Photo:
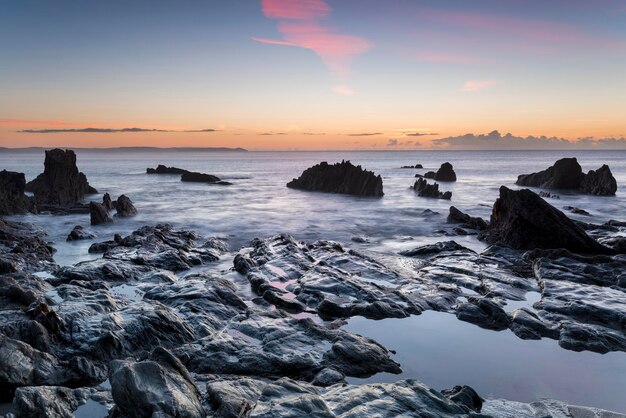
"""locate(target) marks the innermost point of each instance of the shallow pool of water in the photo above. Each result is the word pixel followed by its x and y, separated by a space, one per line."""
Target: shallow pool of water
pixel 442 351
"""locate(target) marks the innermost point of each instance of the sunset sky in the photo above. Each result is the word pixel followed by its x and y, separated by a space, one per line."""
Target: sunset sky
pixel 311 74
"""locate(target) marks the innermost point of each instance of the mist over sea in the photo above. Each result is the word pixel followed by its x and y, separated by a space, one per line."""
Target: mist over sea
pixel 258 204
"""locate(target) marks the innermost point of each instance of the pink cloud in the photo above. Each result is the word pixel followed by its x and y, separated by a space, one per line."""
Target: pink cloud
pixel 295 9
pixel 476 85
pixel 299 24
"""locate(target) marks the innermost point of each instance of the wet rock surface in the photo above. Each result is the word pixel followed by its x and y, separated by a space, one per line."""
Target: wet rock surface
pixel 178 337
pixel 467 221
pixel 61 183
pixel 99 214
pixel 424 189
pixel 343 178
pixel 567 174
pixel 79 233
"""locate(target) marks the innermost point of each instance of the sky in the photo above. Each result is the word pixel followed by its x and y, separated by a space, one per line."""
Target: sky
pixel 313 74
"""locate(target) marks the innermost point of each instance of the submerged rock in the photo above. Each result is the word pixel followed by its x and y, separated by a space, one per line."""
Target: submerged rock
pixel 343 178
pixel 456 216
pixel 524 221
pixel 161 169
pixel 417 166
pixel 566 174
pixel 79 233
pixel 12 197
pixel 61 183
pixel 423 189
pixel 124 207
pixel 99 214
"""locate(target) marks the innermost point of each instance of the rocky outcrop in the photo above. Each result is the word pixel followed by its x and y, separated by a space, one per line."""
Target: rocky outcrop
pixel 194 177
pixel 61 183
pixel 99 214
pixel 344 178
pixel 12 197
pixel 599 182
pixel 79 233
pixel 158 386
pixel 107 202
pixel 124 207
pixel 23 249
pixel 424 189
pixel 524 221
pixel 445 173
pixel 416 166
pixel 567 174
pixel 457 217
pixel 161 169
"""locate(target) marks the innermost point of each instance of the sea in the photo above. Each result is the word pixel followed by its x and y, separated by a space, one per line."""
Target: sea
pixel 433 347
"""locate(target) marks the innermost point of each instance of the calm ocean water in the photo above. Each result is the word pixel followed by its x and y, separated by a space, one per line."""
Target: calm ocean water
pixel 258 204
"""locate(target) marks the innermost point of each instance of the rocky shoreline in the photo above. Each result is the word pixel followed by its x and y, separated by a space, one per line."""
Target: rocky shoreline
pixel 157 327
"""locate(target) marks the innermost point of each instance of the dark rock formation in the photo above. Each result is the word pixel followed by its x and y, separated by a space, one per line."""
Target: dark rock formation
pixel 79 233
pixel 107 202
pixel 456 216
pixel 483 312
pixel 418 166
pixel 445 173
pixel 548 195
pixel 524 221
pixel 161 169
pixel 61 183
pixel 599 182
pixel 99 214
pixel 423 189
pixel 464 395
pixel 12 197
pixel 427 175
pixel 191 176
pixel 566 174
pixel 342 178
pixel 124 207
pixel 434 249
pixel 158 386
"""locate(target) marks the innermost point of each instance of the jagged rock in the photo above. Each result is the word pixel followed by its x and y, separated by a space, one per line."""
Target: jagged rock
pixel 124 207
pixel 445 173
pixel 61 183
pixel 423 189
pixel 79 233
pixel 522 220
pixel 12 197
pixel 22 365
pixel 107 202
pixel 599 182
pixel 99 214
pixel 456 216
pixel 566 174
pixel 159 386
pixel 161 169
pixel 49 401
pixel 427 175
pixel 194 177
pixel 342 178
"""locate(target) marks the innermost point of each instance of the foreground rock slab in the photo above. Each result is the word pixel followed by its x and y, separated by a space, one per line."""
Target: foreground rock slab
pixel 343 178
